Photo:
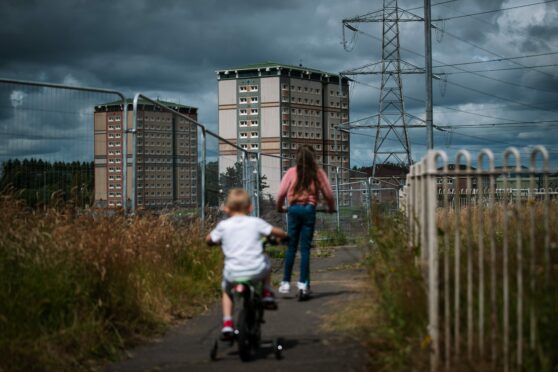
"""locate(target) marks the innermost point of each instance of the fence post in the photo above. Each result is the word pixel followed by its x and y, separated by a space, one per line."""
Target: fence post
pixel 258 180
pixel 134 152
pixel 369 202
pixel 202 177
pixel 505 259
pixel 480 186
pixel 432 242
pixel 337 196
pixel 125 156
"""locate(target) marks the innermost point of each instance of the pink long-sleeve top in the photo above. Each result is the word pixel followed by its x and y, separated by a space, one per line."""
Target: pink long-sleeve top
pixel 286 189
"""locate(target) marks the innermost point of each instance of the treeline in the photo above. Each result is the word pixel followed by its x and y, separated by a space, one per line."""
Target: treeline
pixel 40 182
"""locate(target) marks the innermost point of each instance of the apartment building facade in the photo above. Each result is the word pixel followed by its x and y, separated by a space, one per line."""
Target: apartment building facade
pixel 273 108
pixel 166 172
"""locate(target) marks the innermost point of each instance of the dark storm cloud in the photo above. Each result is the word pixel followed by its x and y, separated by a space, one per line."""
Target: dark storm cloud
pixel 171 49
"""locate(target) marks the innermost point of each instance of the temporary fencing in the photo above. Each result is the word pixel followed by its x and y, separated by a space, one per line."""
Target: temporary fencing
pixel 94 148
pixel 49 143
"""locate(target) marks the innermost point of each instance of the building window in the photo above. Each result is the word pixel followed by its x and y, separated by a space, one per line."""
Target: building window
pixel 242 88
pixel 243 112
pixel 254 123
pixel 243 135
pixel 244 146
pixel 254 111
pixel 254 146
pixel 253 88
pixel 254 99
pixel 243 123
pixel 243 100
pixel 254 135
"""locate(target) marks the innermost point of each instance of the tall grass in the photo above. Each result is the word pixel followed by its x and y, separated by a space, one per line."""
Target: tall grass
pixel 396 328
pixel 398 338
pixel 541 300
pixel 80 287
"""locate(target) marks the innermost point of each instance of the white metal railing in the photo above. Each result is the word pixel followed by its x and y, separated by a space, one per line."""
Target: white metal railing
pixel 471 232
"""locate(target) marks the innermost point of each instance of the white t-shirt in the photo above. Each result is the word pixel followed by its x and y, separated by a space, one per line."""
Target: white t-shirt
pixel 240 238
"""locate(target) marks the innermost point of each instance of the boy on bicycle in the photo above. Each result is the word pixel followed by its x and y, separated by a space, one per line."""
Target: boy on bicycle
pixel 240 238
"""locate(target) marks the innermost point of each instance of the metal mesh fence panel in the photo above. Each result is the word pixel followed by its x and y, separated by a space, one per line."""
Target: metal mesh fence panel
pixel 61 144
pixel 165 157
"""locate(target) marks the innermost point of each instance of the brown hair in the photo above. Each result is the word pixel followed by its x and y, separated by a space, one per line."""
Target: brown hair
pixel 238 200
pixel 306 169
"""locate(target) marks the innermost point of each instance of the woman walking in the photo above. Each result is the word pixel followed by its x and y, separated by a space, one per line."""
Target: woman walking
pixel 301 185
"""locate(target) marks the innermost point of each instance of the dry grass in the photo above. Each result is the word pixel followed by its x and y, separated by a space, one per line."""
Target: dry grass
pixel 479 224
pixel 390 315
pixel 81 287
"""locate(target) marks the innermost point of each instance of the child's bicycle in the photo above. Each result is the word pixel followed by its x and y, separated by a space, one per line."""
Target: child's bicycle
pixel 248 318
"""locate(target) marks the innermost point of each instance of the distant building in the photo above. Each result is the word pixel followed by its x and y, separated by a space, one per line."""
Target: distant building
pixel 273 108
pixel 166 156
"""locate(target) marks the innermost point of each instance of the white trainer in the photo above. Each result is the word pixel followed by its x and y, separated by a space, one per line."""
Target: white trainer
pixel 284 288
pixel 304 288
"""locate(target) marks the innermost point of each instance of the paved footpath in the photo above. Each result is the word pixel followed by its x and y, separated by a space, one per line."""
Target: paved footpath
pixel 307 347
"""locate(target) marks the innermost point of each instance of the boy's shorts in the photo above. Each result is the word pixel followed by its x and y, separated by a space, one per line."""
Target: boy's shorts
pixel 229 280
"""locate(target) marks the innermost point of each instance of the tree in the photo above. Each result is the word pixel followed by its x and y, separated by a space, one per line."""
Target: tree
pixel 234 177
pixel 37 181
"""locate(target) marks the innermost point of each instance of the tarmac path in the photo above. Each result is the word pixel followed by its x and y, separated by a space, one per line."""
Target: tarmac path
pixel 307 347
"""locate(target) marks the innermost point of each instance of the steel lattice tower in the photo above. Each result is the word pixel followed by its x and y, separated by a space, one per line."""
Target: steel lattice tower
pixel 392 121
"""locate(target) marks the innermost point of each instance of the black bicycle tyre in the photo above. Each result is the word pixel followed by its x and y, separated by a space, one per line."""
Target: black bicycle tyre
pixel 213 351
pixel 243 337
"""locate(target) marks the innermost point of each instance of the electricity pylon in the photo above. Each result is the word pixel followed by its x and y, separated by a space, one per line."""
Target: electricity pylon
pixel 392 120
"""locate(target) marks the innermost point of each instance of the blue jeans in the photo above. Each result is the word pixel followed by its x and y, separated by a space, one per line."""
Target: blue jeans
pixel 302 219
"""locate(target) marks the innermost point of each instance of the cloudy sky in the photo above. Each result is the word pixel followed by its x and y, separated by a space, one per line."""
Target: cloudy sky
pixel 170 49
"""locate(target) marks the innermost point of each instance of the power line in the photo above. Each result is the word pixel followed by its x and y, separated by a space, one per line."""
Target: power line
pixel 474 73
pixel 499 125
pixel 475 113
pixel 432 5
pixel 499 69
pixel 486 139
pixel 442 107
pixel 487 50
pixel 493 11
pixel 496 60
pixel 519 85
pixel 502 98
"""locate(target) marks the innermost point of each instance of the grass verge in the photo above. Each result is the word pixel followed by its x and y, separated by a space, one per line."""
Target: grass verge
pixel 390 317
pixel 81 288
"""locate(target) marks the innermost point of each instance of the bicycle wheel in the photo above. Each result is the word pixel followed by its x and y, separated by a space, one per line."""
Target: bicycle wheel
pixel 243 337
